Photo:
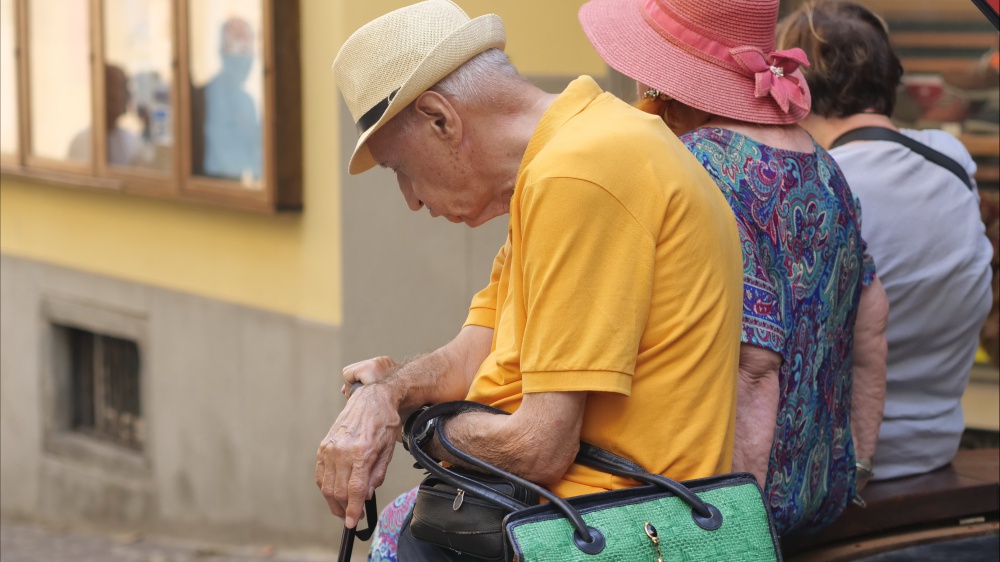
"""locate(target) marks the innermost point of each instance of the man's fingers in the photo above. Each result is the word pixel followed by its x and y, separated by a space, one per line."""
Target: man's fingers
pixel 352 371
pixel 328 488
pixel 335 508
pixel 368 371
pixel 319 471
pixel 379 471
pixel 326 476
pixel 358 491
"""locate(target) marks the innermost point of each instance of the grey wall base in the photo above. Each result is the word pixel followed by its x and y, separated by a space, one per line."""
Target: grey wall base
pixel 235 402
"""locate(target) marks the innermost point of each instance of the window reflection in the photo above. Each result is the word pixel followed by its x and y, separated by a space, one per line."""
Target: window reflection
pixel 123 146
pixel 139 106
pixel 8 79
pixel 59 47
pixel 226 91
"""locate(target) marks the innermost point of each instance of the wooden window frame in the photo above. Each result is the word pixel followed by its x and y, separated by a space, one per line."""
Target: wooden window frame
pixel 281 118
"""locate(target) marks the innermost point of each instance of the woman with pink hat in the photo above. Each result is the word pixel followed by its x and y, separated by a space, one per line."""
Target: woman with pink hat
pixel 812 362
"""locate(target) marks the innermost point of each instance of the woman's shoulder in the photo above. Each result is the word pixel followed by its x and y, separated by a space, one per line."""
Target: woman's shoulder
pixel 721 145
pixel 705 137
pixel 760 140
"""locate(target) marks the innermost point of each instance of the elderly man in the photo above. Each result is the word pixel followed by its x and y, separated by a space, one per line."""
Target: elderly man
pixel 613 309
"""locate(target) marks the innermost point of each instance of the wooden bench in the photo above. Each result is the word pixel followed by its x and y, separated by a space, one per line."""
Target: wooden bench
pixel 959 500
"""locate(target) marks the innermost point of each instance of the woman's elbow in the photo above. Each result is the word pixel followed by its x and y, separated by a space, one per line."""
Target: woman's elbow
pixel 757 365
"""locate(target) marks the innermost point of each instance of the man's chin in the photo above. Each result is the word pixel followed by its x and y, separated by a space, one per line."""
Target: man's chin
pixel 480 220
pixel 473 223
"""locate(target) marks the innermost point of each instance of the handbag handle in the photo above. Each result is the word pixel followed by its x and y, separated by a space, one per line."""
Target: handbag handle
pixel 586 538
pixel 414 443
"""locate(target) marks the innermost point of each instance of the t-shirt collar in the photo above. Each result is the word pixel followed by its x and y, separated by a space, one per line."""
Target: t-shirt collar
pixel 577 95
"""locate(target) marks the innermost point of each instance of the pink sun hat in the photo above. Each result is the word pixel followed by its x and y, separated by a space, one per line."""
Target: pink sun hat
pixel 714 56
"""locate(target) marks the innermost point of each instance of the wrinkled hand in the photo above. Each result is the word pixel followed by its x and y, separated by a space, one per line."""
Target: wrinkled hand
pixel 353 458
pixel 368 371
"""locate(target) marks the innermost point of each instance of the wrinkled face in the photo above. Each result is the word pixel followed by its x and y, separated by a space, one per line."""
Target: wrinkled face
pixel 435 168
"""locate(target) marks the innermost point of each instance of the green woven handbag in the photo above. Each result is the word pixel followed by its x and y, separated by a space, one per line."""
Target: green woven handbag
pixel 722 518
pixel 649 523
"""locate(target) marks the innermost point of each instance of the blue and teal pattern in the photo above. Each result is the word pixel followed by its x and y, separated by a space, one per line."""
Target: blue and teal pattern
pixel 390 522
pixel 804 265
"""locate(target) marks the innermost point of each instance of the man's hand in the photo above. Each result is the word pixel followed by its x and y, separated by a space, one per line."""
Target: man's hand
pixel 353 458
pixel 368 371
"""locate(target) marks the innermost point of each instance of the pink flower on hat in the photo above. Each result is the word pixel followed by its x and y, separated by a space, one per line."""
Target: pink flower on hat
pixel 773 74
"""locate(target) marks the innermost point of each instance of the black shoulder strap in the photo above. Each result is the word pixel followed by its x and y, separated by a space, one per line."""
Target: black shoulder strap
pixel 883 134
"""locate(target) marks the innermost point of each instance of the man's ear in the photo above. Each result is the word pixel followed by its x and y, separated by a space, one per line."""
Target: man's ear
pixel 438 115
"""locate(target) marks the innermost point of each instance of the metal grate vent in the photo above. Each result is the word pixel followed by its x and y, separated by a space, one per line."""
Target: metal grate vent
pixel 104 382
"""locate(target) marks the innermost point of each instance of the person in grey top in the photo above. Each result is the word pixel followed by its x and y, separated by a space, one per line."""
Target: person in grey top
pixel 922 226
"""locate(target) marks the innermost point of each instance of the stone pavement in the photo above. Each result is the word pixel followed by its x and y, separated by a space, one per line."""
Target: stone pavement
pixel 22 542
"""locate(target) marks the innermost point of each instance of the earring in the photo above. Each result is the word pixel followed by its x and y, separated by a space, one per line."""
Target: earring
pixel 653 94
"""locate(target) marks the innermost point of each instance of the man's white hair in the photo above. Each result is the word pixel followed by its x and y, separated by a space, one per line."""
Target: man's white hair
pixel 484 79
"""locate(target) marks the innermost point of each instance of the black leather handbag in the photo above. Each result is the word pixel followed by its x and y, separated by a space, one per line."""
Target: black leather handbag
pixel 717 518
pixel 444 515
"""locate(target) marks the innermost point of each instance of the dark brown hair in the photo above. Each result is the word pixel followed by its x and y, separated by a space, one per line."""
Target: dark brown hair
pixel 853 68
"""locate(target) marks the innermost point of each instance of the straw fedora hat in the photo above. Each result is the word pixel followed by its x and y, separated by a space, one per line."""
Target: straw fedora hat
pixel 391 60
pixel 714 56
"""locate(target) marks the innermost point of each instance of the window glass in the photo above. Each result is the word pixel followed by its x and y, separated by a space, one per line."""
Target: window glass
pixel 139 109
pixel 59 47
pixel 226 90
pixel 8 79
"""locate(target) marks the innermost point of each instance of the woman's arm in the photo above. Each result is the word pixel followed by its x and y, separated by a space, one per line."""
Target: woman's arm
pixel 870 354
pixel 756 410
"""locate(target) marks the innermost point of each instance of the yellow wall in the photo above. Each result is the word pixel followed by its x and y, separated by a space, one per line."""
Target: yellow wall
pixel 290 263
pixel 543 36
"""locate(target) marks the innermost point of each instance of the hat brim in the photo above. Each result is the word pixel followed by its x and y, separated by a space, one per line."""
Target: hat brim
pixel 626 41
pixel 475 37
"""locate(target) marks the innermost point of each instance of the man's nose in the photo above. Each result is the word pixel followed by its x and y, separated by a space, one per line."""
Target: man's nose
pixel 412 201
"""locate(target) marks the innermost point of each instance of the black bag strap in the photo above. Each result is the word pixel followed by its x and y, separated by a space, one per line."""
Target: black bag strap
pixel 883 134
pixel 430 421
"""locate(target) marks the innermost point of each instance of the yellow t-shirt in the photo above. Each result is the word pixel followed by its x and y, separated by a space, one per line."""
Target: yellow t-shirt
pixel 621 276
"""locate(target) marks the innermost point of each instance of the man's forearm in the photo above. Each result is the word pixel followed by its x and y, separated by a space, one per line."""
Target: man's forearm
pixel 442 375
pixel 538 442
pixel 870 354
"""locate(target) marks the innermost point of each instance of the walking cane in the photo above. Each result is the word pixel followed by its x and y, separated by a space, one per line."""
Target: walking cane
pixel 347 539
pixel 371 513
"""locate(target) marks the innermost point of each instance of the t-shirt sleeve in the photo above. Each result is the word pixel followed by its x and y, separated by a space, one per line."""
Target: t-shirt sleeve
pixel 587 268
pixel 867 263
pixel 762 321
pixel 483 310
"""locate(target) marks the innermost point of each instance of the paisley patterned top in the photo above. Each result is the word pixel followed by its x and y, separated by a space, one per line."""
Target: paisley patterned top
pixel 804 264
pixel 385 542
